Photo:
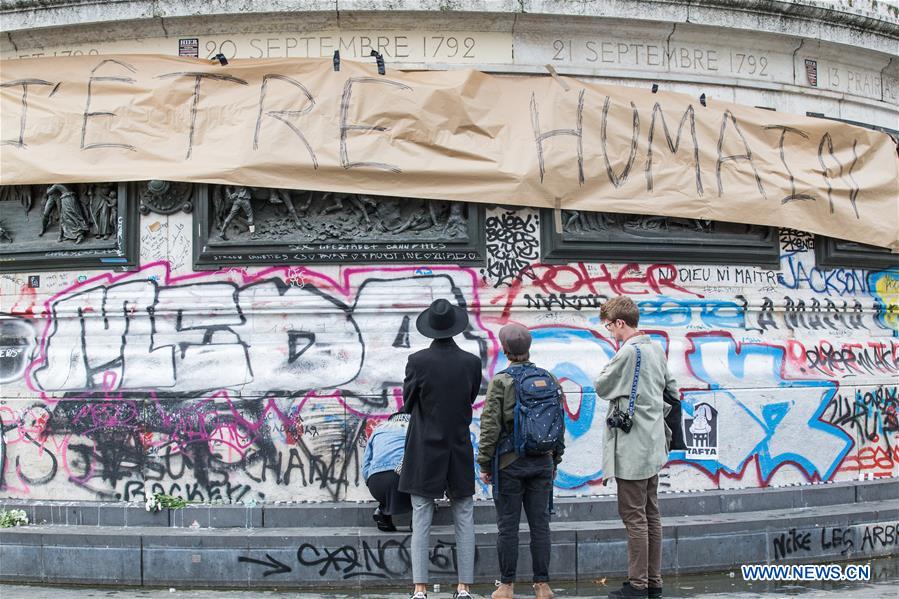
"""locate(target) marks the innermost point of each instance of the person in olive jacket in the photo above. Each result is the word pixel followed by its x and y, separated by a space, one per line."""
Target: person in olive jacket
pixel 441 385
pixel 527 481
pixel 634 458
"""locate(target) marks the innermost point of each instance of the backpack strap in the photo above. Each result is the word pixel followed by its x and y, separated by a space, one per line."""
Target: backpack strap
pixel 504 441
pixel 515 410
pixel 503 437
pixel 633 399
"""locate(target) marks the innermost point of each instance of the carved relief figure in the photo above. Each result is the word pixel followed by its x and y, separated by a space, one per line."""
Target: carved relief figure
pixel 576 221
pixel 282 197
pixel 4 234
pixel 85 194
pixel 582 221
pixel 389 215
pixel 73 224
pixel 455 223
pixel 103 210
pixel 417 221
pixel 360 203
pixel 240 200
pixel 18 193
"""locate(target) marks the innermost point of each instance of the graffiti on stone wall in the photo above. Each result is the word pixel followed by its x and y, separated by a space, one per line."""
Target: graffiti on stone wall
pixel 700 426
pixel 859 539
pixel 153 333
pixel 114 386
pixel 381 559
pixel 798 274
pixel 792 240
pixel 16 345
pixel 512 246
pixel 669 312
pixel 135 401
pixel 216 448
pixel 779 418
pixel 557 282
pixel 884 287
pixel 871 416
pixel 842 359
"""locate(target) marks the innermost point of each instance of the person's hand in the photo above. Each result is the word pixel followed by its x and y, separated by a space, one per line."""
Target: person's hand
pixel 486 478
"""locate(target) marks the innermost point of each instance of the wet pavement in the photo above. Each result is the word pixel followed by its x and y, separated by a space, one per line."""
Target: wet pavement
pixel 884 584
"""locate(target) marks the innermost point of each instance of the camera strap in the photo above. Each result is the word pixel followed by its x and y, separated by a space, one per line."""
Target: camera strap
pixel 630 407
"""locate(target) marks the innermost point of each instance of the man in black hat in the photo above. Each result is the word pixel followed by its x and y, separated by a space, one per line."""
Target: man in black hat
pixel 441 385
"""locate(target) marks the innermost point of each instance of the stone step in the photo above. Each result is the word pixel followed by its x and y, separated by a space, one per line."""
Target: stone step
pixel 280 515
pixel 348 556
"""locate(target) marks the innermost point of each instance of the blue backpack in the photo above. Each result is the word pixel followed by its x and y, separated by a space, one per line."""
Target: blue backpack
pixel 539 420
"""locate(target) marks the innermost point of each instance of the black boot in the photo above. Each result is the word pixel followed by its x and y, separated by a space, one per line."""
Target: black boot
pixel 654 592
pixel 627 590
pixel 384 522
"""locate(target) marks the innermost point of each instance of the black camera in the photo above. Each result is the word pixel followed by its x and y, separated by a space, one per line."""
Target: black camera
pixel 621 420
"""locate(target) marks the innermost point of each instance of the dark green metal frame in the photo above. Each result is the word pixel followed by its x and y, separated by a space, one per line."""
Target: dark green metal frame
pixel 554 249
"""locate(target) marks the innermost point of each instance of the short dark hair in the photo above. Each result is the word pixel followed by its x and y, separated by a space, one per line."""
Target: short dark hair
pixel 620 308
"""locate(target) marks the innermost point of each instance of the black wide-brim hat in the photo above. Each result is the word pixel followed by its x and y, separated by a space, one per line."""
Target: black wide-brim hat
pixel 442 320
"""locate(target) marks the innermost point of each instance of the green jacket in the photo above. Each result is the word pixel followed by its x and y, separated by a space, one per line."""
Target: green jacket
pixel 641 453
pixel 499 412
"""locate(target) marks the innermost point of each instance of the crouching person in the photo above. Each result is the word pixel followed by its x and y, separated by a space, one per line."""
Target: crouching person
pixel 381 467
pixel 521 462
pixel 634 445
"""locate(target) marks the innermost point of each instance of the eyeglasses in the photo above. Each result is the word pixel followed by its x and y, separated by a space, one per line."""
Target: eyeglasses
pixel 609 325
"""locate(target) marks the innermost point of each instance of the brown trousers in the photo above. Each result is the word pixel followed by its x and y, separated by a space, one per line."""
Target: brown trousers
pixel 638 506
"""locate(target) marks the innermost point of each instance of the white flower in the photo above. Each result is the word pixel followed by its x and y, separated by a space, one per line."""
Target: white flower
pixel 153 504
pixel 13 518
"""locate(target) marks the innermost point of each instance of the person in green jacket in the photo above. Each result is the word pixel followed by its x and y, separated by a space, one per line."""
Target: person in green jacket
pixel 633 457
pixel 522 480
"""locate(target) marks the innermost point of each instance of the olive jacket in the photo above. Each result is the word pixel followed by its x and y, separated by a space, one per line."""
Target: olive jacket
pixel 642 452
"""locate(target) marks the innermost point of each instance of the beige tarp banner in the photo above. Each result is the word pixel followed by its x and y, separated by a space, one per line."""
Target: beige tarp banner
pixel 457 135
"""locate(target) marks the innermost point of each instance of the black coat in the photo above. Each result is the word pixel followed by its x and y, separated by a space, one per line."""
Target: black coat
pixel 441 384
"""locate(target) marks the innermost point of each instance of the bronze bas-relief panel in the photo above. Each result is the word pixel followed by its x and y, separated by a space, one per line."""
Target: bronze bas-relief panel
pixel 66 226
pixel 262 214
pixel 81 214
pixel 584 235
pixel 274 226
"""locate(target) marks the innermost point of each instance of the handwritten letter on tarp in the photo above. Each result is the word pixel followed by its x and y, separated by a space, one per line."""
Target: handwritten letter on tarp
pixel 457 135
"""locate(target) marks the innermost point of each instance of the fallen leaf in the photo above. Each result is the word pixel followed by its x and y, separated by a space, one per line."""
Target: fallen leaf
pixel 600 581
